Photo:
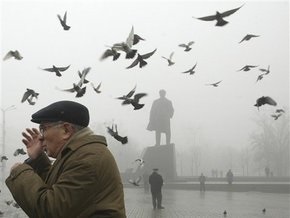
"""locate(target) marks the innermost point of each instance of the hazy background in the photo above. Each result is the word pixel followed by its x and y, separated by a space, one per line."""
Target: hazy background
pixel 211 125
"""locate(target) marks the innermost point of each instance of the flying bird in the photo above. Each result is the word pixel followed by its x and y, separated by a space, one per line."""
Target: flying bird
pixel 280 111
pixel 29 95
pixel 264 210
pixel 96 89
pixel 76 88
pixel 276 116
pixel 216 84
pixel 247 68
pixel 135 101
pixel 127 46
pixel 169 60
pixel 248 37
pixel 267 71
pixel 57 70
pixel 260 77
pixel 19 151
pixel 219 17
pixel 140 60
pixel 111 52
pixel 135 181
pixel 187 46
pixel 265 100
pixel 191 70
pixel 137 39
pixel 63 22
pixel 116 135
pixel 3 158
pixel 14 54
pixel 129 95
pixel 83 75
pixel 140 161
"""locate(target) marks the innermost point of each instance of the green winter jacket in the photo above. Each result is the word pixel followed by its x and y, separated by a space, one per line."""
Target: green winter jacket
pixel 84 181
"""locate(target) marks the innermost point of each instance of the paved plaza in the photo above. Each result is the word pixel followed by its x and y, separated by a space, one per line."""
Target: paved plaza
pixel 191 204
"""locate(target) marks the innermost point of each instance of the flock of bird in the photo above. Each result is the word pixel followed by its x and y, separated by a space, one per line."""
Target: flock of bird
pixel 132 98
pixel 127 47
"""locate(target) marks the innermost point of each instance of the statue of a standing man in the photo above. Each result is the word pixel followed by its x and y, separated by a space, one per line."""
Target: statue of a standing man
pixel 160 115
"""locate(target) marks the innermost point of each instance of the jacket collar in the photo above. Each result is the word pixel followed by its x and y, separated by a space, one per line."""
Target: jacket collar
pixel 80 138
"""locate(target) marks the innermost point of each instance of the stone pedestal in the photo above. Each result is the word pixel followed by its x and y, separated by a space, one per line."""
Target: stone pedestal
pixel 161 157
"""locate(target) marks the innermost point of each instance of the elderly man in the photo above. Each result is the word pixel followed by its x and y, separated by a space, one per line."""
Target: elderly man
pixel 83 181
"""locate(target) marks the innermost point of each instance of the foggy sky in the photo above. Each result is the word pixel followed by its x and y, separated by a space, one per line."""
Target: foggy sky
pixel 211 117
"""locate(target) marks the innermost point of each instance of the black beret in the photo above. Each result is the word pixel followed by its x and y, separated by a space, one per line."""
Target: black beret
pixel 67 111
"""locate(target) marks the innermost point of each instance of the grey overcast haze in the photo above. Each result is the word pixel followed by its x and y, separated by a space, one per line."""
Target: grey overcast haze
pixel 217 120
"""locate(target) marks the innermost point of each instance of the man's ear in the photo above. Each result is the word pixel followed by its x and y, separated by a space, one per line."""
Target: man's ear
pixel 68 130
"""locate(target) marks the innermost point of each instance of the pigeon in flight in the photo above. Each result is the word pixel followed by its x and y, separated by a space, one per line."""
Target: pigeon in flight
pixel 266 71
pixel 169 60
pixel 135 181
pixel 219 17
pixel 135 101
pixel 110 52
pixel 63 22
pixel 137 39
pixel 14 54
pixel 129 95
pixel 116 135
pixel 191 70
pixel 83 74
pixel 247 68
pixel 276 116
pixel 248 37
pixel 265 100
pixel 140 59
pixel 57 70
pixel 29 95
pixel 76 88
pixel 19 151
pixel 126 46
pixel 96 89
pixel 187 46
pixel 280 111
pixel 260 77
pixel 140 161
pixel 3 158
pixel 216 84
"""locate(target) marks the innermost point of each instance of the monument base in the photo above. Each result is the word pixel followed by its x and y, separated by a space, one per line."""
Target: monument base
pixel 161 157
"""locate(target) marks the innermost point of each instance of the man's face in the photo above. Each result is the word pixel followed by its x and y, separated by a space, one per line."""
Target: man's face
pixel 52 138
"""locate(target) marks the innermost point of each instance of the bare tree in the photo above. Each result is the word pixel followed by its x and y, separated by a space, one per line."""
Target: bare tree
pixel 271 144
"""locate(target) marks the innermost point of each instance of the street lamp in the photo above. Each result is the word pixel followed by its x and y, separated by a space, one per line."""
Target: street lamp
pixel 12 107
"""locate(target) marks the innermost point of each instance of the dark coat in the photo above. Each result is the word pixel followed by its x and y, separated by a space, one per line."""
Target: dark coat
pixel 84 181
pixel 160 114
pixel 156 182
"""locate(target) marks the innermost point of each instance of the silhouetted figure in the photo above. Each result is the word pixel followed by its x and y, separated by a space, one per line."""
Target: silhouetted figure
pixel 146 182
pixel 202 180
pixel 230 177
pixel 161 113
pixel 156 183
pixel 267 171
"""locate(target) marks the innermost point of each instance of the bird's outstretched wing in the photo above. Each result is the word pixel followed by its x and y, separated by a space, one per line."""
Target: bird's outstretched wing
pixel 229 12
pixel 147 55
pixel 207 18
pixel 130 38
pixel 134 63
